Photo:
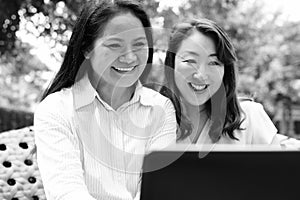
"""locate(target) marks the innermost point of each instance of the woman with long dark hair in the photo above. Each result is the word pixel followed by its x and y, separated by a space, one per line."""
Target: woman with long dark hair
pixel 96 120
pixel 200 76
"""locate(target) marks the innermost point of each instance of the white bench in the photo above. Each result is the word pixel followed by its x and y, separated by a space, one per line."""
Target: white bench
pixel 19 174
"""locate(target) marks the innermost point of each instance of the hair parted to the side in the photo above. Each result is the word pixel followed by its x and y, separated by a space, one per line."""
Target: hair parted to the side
pixel 223 107
pixel 94 16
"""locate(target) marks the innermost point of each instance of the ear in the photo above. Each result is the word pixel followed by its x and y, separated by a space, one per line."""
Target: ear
pixel 87 55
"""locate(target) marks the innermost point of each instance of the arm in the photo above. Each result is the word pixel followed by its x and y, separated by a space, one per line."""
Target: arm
pixel 58 156
pixel 263 129
pixel 165 133
pixel 286 142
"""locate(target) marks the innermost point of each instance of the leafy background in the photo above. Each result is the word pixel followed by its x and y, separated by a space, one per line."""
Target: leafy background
pixel 268 48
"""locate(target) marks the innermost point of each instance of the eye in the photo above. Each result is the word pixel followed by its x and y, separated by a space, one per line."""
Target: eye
pixel 114 45
pixel 214 63
pixel 190 61
pixel 139 44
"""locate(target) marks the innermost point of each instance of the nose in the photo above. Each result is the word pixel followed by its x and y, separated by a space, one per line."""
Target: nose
pixel 200 73
pixel 128 57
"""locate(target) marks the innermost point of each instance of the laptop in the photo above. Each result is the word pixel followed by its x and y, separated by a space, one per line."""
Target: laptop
pixel 221 173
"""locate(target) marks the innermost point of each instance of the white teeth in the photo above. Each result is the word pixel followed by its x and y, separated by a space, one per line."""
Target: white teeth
pixel 124 69
pixel 198 87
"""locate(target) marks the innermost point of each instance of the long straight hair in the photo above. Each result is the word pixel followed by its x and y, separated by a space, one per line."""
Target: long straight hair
pixel 223 107
pixel 90 24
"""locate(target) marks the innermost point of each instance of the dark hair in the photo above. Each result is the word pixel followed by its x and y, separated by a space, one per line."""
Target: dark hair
pixel 223 107
pixel 90 23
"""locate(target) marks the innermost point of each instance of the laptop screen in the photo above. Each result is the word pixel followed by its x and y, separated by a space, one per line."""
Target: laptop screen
pixel 234 173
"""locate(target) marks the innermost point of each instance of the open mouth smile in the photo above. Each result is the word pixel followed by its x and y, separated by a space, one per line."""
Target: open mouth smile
pixel 124 70
pixel 198 87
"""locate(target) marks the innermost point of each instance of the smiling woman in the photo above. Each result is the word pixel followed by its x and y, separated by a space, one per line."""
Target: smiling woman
pixel 96 120
pixel 201 82
pixel 198 69
pixel 119 57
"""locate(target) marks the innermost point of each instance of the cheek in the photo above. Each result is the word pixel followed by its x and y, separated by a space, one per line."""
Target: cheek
pixel 216 74
pixel 103 58
pixel 180 80
pixel 109 56
pixel 143 55
pixel 221 74
pixel 183 70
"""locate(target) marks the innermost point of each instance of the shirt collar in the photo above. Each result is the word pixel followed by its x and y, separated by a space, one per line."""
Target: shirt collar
pixel 84 93
pixel 143 95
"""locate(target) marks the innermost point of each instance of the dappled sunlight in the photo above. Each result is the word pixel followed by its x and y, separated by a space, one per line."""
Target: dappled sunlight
pixel 258 30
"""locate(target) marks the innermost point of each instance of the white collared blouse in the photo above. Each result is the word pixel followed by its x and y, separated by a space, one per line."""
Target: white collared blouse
pixel 257 128
pixel 87 150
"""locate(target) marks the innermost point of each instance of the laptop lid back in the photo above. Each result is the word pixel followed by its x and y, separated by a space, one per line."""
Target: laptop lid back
pixel 237 174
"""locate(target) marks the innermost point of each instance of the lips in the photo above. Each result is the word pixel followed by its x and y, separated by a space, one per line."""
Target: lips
pixel 124 69
pixel 198 87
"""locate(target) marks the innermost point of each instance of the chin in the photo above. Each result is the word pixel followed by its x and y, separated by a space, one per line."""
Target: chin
pixel 198 103
pixel 195 102
pixel 126 83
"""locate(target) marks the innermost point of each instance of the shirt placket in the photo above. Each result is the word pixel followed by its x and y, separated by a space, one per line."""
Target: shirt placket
pixel 118 146
pixel 123 112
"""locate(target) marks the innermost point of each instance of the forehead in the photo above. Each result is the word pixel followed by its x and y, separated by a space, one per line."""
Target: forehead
pixel 124 25
pixel 198 43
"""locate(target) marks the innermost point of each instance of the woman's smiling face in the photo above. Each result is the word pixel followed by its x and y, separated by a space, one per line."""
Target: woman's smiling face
pixel 198 72
pixel 120 55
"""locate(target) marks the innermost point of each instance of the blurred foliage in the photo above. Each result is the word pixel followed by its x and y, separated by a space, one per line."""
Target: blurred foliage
pixel 21 79
pixel 50 18
pixel 14 119
pixel 22 74
pixel 268 48
pixel 9 21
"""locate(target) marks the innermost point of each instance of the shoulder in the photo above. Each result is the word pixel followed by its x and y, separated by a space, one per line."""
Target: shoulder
pixel 251 108
pixel 58 102
pixel 257 123
pixel 249 104
pixel 152 97
pixel 251 111
pixel 152 94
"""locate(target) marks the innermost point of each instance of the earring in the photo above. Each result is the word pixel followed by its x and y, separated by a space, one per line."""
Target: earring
pixel 86 55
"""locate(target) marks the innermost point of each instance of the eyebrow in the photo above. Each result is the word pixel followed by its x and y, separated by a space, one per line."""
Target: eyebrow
pixel 196 54
pixel 212 55
pixel 120 40
pixel 141 38
pixel 114 38
pixel 190 52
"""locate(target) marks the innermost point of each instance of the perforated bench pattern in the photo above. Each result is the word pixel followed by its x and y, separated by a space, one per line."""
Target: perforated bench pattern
pixel 19 175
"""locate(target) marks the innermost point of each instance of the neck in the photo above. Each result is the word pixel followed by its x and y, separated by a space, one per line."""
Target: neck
pixel 112 95
pixel 115 96
pixel 198 117
pixel 192 111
